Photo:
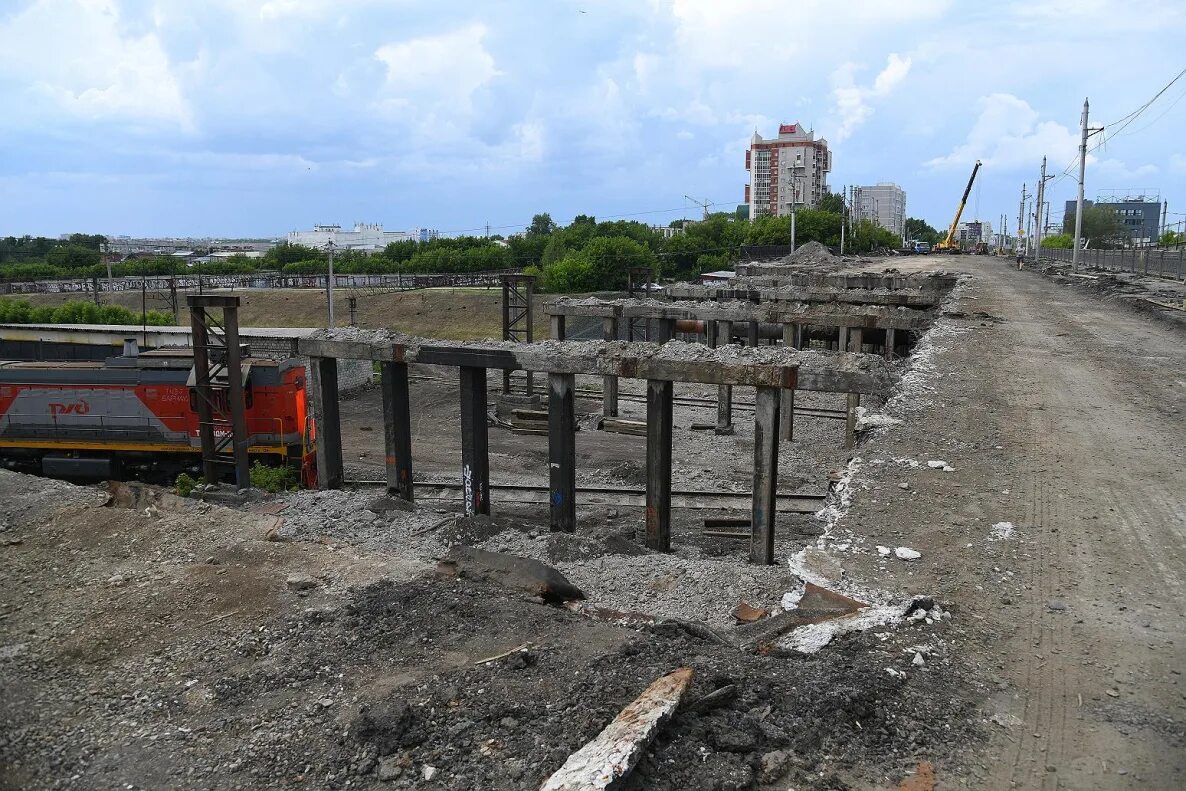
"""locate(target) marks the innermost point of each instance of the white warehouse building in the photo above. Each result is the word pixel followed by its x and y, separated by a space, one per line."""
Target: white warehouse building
pixel 365 236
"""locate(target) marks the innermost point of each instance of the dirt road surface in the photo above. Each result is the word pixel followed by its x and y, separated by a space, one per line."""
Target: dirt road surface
pixel 1065 415
pixel 172 643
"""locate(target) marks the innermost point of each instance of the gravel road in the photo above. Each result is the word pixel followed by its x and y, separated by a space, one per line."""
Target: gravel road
pixel 1064 414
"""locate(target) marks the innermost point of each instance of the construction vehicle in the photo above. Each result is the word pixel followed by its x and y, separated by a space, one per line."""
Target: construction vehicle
pixel 949 244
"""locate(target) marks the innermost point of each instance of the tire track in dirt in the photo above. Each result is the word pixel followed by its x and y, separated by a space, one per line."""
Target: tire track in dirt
pixel 1091 434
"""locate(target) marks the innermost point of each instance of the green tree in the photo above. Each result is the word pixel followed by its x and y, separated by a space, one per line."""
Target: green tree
pixel 72 256
pixel 284 254
pixel 91 241
pixel 1059 241
pixel 921 230
pixel 541 225
pixel 603 264
pixel 1102 226
pixel 832 202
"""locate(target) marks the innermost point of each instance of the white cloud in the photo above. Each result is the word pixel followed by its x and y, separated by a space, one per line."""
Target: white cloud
pixel 1178 163
pixel 851 101
pixel 1008 135
pixel 1116 169
pixel 442 71
pixel 76 54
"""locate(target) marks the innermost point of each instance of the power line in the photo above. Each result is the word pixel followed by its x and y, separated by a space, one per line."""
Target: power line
pixel 1125 122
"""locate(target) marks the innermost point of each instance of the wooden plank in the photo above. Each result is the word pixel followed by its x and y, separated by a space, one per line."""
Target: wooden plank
pixel 616 750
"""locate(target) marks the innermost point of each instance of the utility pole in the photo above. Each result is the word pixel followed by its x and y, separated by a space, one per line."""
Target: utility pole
pixel 704 204
pixel 1021 240
pixel 329 286
pixel 1079 200
pixel 1038 205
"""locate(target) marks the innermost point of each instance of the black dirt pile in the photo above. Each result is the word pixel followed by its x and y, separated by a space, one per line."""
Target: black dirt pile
pixel 388 690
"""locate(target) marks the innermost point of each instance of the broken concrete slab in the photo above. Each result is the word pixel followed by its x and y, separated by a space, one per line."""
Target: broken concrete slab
pixel 815 605
pixel 616 750
pixel 509 571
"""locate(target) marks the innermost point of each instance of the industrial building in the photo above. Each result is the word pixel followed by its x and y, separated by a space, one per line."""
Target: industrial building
pixel 883 203
pixel 1141 215
pixel 364 236
pixel 786 172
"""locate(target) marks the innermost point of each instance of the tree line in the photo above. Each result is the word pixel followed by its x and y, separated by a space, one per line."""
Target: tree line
pixel 585 255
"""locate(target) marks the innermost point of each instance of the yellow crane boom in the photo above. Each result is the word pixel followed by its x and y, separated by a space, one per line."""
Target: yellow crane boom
pixel 949 243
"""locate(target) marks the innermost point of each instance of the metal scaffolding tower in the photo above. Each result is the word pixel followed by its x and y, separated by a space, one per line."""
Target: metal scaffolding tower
pixel 217 380
pixel 639 286
pixel 518 318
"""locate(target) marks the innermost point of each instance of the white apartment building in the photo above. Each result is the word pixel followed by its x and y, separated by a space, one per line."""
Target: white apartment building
pixel 884 203
pixel 787 171
pixel 368 237
pixel 972 231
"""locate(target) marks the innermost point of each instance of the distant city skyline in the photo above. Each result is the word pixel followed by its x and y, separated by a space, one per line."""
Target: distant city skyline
pixel 249 118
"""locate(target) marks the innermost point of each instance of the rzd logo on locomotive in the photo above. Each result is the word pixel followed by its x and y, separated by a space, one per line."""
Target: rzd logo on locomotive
pixel 79 407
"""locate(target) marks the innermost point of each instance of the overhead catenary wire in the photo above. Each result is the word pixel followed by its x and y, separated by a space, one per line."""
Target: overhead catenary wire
pixel 1109 131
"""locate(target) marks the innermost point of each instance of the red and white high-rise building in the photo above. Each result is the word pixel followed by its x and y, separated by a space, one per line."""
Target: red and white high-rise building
pixel 787 171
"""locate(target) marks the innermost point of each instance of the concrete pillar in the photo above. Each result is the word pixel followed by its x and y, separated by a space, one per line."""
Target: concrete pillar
pixel 786 428
pixel 562 453
pixel 475 441
pixel 557 327
pixel 858 339
pixel 890 338
pixel 323 382
pixel 842 342
pixel 751 333
pixel 659 402
pixel 850 426
pixel 765 483
pixel 724 336
pixel 664 330
pixel 609 384
pixel 397 428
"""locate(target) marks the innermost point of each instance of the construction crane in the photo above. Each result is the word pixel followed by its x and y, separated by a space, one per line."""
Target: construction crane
pixel 950 245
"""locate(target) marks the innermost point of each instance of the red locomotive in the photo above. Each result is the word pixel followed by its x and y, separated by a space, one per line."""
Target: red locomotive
pixel 135 416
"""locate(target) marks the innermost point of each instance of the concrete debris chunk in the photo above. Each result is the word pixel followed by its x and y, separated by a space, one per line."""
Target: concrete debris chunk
pixel 906 553
pixel 509 571
pixel 745 612
pixel 936 464
pixel 614 752
pixel 1001 531
pixel 300 582
pixel 883 551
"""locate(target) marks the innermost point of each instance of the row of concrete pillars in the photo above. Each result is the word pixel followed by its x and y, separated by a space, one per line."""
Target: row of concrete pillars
pixel 721 333
pixel 475 456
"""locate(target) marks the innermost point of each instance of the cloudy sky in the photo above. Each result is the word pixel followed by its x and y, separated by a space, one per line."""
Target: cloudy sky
pixel 255 117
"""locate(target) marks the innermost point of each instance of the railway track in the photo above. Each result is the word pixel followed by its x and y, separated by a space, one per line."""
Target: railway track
pixel 624 497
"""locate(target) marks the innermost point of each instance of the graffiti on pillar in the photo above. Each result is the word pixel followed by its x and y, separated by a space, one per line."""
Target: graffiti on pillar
pixel 467 487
